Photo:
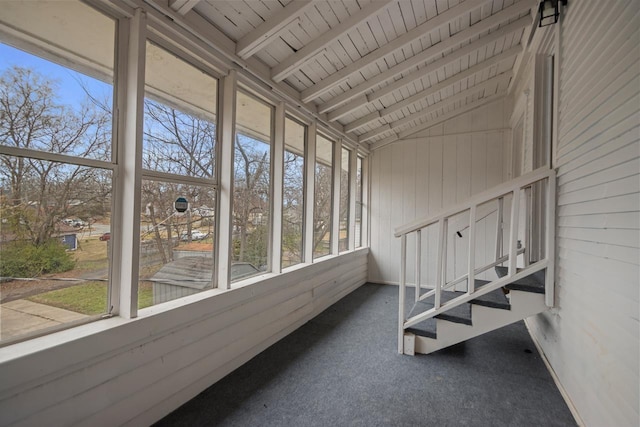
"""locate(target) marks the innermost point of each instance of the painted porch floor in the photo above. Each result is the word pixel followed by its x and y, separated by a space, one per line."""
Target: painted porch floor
pixel 342 369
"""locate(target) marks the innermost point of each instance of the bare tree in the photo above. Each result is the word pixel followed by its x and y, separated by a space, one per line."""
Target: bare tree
pixel 41 193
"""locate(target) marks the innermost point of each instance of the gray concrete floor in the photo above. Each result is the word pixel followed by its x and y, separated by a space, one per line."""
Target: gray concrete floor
pixel 342 369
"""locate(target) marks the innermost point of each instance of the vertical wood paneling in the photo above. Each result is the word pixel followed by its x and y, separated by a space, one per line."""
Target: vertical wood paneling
pixel 440 168
pixel 591 338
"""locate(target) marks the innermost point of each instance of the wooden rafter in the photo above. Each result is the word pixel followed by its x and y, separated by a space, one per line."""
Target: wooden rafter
pixel 357 100
pixel 265 33
pixel 298 59
pixel 398 43
pixel 488 63
pixel 435 107
pixel 442 118
pixel 183 6
pixel 432 52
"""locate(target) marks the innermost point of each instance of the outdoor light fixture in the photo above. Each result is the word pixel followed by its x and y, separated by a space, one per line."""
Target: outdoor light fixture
pixel 549 12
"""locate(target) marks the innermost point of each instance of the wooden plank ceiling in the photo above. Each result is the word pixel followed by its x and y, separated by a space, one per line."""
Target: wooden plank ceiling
pixel 383 69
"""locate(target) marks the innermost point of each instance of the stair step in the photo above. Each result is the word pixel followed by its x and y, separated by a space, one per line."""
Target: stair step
pixel 532 283
pixel 494 299
pixel 459 314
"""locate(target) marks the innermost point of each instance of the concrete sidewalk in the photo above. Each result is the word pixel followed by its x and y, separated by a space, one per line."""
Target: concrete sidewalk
pixel 21 316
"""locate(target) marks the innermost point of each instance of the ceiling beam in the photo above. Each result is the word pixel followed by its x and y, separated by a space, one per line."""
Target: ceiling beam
pixel 183 6
pixel 266 32
pixel 431 123
pixel 451 114
pixel 435 107
pixel 298 59
pixel 356 100
pixel 494 60
pixel 398 43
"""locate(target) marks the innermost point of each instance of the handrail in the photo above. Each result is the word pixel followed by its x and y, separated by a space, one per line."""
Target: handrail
pixel 492 193
pixel 514 188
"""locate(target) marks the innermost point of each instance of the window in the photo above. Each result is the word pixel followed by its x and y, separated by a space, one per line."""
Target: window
pixel 56 171
pixel 358 227
pixel 323 197
pixel 295 138
pixel 178 160
pixel 252 184
pixel 344 200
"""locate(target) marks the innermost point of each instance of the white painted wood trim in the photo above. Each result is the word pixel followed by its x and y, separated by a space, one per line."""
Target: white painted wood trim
pixel 550 249
pixel 227 120
pixel 513 233
pixel 441 260
pixel 401 292
pixel 471 260
pixel 309 195
pixel 335 199
pixel 298 59
pixel 418 265
pixel 353 164
pixel 126 251
pixel 366 192
pixel 277 183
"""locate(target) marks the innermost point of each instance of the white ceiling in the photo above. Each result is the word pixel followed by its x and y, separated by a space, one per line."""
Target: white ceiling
pixel 383 69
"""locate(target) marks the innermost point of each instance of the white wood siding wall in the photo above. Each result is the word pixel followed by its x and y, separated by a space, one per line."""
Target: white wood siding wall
pixel 592 338
pixel 135 372
pixel 433 170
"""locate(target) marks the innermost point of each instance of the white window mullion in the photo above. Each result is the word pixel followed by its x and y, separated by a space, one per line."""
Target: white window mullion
pixel 126 240
pixel 277 180
pixel 309 195
pixel 353 164
pixel 364 238
pixel 224 221
pixel 335 197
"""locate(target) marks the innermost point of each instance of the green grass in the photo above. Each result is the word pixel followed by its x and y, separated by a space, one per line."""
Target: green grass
pixel 88 298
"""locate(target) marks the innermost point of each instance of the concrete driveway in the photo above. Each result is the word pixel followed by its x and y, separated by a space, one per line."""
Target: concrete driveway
pixel 21 316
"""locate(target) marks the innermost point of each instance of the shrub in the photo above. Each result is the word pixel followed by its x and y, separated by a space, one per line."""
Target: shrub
pixel 25 259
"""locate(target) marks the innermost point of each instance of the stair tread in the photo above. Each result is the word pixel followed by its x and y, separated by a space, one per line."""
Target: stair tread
pixel 459 314
pixel 532 283
pixel 493 299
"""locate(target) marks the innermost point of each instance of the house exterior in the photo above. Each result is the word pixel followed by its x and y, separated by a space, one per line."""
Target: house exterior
pixel 565 97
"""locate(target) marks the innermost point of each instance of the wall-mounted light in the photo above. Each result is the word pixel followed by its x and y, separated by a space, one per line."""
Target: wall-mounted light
pixel 549 11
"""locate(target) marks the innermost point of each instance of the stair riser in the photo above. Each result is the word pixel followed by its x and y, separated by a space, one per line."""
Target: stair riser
pixel 485 319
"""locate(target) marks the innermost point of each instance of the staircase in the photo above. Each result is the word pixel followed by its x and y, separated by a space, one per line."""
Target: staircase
pixel 514 286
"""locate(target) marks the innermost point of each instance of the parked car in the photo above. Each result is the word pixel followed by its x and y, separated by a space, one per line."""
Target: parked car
pixel 105 237
pixel 195 235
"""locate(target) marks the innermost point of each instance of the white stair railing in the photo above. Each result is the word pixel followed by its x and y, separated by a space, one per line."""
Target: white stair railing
pixel 512 188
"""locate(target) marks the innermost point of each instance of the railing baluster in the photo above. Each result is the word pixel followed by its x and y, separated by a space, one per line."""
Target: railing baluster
pixel 513 232
pixel 528 241
pixel 401 296
pixel 471 267
pixel 442 256
pixel 418 261
pixel 499 231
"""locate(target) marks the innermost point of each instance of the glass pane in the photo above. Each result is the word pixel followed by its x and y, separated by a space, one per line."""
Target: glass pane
pixel 51 108
pixel 251 186
pixel 344 201
pixel 54 244
pixel 293 193
pixel 179 116
pixel 358 227
pixel 323 197
pixel 176 248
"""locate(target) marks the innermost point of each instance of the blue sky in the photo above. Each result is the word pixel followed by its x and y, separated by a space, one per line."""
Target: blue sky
pixel 67 80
